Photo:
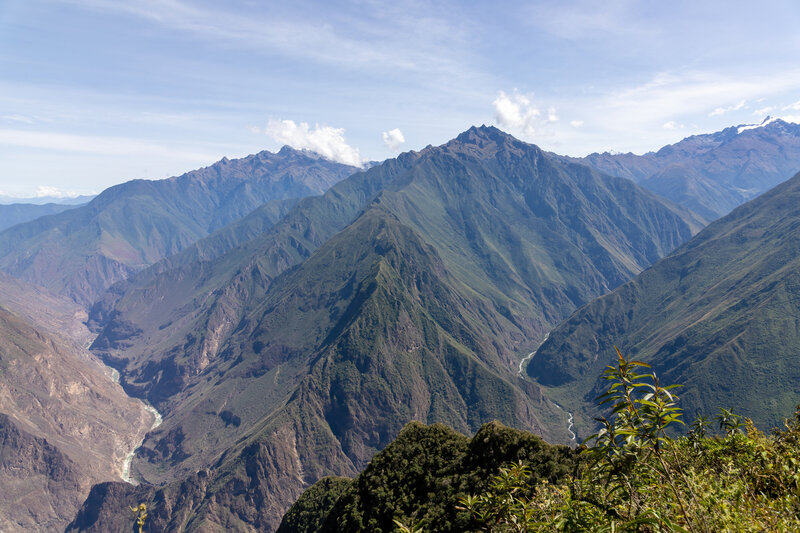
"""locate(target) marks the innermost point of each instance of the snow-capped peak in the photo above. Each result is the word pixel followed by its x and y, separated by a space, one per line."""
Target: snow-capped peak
pixel 766 121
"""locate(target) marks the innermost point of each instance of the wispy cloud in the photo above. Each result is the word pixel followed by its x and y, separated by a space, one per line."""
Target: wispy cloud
pixel 648 115
pixel 668 95
pixel 588 19
pixel 19 118
pixel 407 37
pixel 88 144
pixel 723 110
pixel 324 140
pixel 392 139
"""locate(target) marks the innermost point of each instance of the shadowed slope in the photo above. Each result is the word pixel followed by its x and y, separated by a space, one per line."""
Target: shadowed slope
pixel 718 315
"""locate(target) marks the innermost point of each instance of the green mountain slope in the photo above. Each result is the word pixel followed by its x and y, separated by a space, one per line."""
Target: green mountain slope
pixel 82 251
pixel 718 315
pixel 316 389
pixel 408 291
pixel 534 236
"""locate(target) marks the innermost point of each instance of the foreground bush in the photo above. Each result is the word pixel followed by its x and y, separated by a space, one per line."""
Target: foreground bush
pixel 634 477
pixel 419 478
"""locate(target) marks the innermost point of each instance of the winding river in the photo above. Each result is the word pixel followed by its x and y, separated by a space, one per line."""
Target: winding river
pixel 126 465
pixel 521 373
pixel 157 419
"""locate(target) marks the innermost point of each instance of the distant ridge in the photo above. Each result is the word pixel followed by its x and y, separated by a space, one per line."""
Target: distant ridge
pixel 13 214
pixel 82 251
pixel 713 173
pixel 42 200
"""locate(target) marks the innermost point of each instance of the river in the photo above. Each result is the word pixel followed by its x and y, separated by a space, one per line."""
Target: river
pixel 126 465
pixel 157 419
pixel 521 372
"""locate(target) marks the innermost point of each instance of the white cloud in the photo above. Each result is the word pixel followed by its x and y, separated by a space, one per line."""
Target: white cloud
pixel 790 118
pixel 19 118
pixel 393 139
pixel 764 111
pixel 671 125
pixel 576 123
pixel 795 106
pixel 324 140
pixel 54 192
pixel 722 110
pixel 516 112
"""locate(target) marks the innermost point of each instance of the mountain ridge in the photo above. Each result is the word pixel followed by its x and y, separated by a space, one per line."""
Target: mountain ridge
pixel 724 300
pixel 82 251
pixel 715 172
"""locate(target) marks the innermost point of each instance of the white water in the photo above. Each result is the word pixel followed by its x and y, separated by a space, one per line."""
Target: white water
pixel 157 419
pixel 530 356
pixel 126 465
pixel 113 373
pixel 570 424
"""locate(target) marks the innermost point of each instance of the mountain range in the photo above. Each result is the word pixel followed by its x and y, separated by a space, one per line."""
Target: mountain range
pixel 712 173
pixel 408 291
pixel 13 214
pixel 288 316
pixel 82 251
pixel 42 200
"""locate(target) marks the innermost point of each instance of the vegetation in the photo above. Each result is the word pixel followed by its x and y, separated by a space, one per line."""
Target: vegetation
pixel 416 482
pixel 635 477
pixel 718 315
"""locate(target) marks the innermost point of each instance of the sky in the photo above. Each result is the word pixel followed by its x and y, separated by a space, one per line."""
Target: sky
pixel 97 92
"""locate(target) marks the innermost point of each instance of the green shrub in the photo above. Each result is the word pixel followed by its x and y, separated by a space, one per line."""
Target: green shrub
pixel 633 476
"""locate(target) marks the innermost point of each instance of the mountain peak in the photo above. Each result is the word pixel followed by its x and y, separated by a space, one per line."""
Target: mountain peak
pixel 287 150
pixel 771 122
pixel 484 142
pixel 483 132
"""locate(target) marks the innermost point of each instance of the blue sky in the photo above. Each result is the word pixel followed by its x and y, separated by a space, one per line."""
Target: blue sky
pixel 96 92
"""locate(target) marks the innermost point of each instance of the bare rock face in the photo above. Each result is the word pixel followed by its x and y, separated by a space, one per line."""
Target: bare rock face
pixel 64 423
pixel 29 467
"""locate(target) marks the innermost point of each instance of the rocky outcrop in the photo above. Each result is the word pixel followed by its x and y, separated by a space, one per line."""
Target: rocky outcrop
pixel 66 424
pixel 41 487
